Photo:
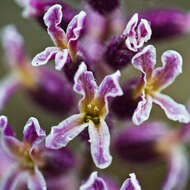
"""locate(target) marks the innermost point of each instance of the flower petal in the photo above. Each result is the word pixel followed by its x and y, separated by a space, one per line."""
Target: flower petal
pixel 94 182
pixel 13 44
pixel 36 181
pixel 145 61
pixel 172 109
pixel 10 180
pixel 47 55
pixel 178 171
pixel 100 144
pixel 52 20
pixel 33 134
pixel 131 183
pixel 74 30
pixel 61 58
pixel 144 32
pixel 65 131
pixel 172 67
pixel 109 87
pixel 8 87
pixel 142 111
pixel 85 84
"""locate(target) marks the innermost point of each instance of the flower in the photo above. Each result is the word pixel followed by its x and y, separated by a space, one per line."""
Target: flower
pixel 32 161
pixel 66 43
pixel 154 81
pixel 97 183
pixel 93 110
pixel 167 22
pixel 155 141
pixel 36 9
pixel 44 85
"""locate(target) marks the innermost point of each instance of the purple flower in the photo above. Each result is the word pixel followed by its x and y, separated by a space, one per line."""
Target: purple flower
pixel 154 141
pixel 167 22
pixel 66 43
pixel 154 81
pixel 93 110
pixel 44 85
pixel 32 161
pixel 137 33
pixel 97 183
pixel 36 9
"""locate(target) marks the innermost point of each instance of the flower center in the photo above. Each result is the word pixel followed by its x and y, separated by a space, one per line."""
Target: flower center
pixel 92 113
pixel 149 89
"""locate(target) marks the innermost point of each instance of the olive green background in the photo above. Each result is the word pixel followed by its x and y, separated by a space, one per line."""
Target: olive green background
pixel 20 107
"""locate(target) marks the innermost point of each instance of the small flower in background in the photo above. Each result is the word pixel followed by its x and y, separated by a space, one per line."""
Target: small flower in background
pixel 93 111
pixel 153 141
pixel 66 43
pixel 43 85
pixel 32 163
pixel 167 23
pixel 98 183
pixel 35 9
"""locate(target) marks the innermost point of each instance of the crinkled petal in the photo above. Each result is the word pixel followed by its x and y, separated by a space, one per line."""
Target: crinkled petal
pixel 13 44
pixel 172 67
pixel 11 179
pixel 36 181
pixel 33 134
pixel 109 87
pixel 52 20
pixel 47 55
pixel 8 87
pixel 85 84
pixel 4 126
pixel 74 30
pixel 142 111
pixel 131 183
pixel 61 58
pixel 100 144
pixel 94 183
pixel 145 61
pixel 144 32
pixel 178 171
pixel 172 109
pixel 65 131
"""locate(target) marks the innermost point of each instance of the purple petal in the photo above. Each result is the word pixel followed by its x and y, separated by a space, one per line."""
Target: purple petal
pixel 178 171
pixel 33 134
pixel 172 67
pixel 4 126
pixel 61 58
pixel 74 30
pixel 172 109
pixel 52 19
pixel 47 55
pixel 145 61
pixel 109 87
pixel 8 87
pixel 142 111
pixel 100 144
pixel 94 183
pixel 85 84
pixel 11 179
pixel 131 183
pixel 36 181
pixel 64 132
pixel 13 44
pixel 144 32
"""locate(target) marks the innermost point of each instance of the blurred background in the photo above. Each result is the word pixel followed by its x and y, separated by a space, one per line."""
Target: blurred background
pixel 20 107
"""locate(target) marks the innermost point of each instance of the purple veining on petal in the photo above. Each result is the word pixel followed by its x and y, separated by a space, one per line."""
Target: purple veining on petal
pixel 65 131
pixel 172 67
pixel 172 109
pixel 100 142
pixel 62 58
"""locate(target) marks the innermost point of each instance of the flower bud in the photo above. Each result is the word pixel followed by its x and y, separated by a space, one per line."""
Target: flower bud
pixel 138 144
pixel 167 23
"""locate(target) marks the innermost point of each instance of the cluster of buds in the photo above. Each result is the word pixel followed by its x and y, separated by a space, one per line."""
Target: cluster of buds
pixel 92 47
